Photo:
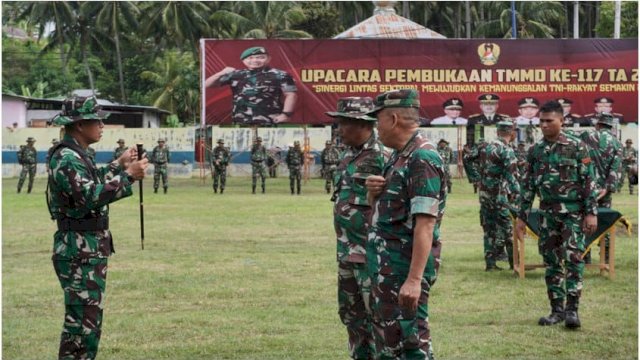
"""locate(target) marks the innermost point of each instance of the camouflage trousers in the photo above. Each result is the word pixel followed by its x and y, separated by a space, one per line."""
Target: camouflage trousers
pixel 328 173
pixel 400 333
pixel 354 291
pixel 258 169
pixel 295 176
pixel 625 175
pixel 29 169
pixel 219 175
pixel 561 245
pixel 498 231
pixel 158 171
pixel 447 177
pixel 83 282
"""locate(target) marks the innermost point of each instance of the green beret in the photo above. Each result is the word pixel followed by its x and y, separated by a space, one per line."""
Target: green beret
pixel 256 50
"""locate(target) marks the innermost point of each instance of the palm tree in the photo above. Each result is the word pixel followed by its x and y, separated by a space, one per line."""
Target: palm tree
pixel 182 22
pixel 263 19
pixel 533 20
pixel 113 16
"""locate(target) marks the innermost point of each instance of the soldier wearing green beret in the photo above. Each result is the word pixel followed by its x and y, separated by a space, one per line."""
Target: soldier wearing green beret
pixel 261 95
pixel 403 248
pixel 78 198
pixel 27 157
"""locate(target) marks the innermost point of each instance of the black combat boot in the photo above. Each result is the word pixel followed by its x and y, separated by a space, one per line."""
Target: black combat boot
pixel 292 192
pixel 155 190
pixel 253 189
pixel 263 189
pixel 29 192
pixel 215 190
pixel 571 320
pixel 556 316
pixel 165 189
pixel 221 191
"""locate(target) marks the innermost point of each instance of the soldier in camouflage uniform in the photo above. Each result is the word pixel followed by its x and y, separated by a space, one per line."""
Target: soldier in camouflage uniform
pixel 606 153
pixel 258 168
pixel 560 170
pixel 364 156
pixel 219 161
pixel 471 163
pixel 498 190
pixel 629 159
pixel 521 157
pixel 54 142
pixel 329 158
pixel 92 153
pixel 160 157
pixel 294 161
pixel 27 157
pixel 117 152
pixel 447 156
pixel 261 95
pixel 403 248
pixel 78 198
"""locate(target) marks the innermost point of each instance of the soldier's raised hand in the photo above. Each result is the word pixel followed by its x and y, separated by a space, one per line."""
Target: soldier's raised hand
pixel 137 168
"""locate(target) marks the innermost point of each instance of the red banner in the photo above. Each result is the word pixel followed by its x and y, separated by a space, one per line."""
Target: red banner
pixel 581 70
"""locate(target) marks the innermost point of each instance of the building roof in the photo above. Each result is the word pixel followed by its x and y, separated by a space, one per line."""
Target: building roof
pixel 106 104
pixel 386 24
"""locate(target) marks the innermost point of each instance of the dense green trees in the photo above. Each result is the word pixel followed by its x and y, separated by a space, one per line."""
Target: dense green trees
pixel 147 52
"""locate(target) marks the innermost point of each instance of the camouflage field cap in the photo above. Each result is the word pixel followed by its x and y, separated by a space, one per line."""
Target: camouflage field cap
pixel 443 141
pixel 259 139
pixel 403 98
pixel 256 50
pixel 629 141
pixel 31 139
pixel 221 141
pixel 79 108
pixel 296 143
pixel 120 141
pixel 353 108
pixel 606 119
pixel 161 140
pixel 504 125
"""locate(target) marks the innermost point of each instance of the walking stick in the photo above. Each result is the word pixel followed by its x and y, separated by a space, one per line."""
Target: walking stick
pixel 139 148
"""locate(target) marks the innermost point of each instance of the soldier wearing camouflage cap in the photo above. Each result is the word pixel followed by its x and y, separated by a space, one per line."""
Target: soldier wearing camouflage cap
pixel 403 248
pixel 606 153
pixel 27 157
pixel 498 191
pixel 118 151
pixel 629 160
pixel 364 155
pixel 258 168
pixel 295 160
pixel 261 95
pixel 560 170
pixel 78 198
pixel 329 158
pixel 220 158
pixel 160 157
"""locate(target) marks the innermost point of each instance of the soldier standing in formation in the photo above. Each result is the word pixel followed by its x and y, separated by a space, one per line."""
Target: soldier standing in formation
pixel 160 157
pixel 78 195
pixel 117 152
pixel 219 161
pixel 261 95
pixel 294 160
pixel 27 157
pixel 521 157
pixel 403 248
pixel 498 190
pixel 471 163
pixel 363 156
pixel 447 156
pixel 329 158
pixel 629 159
pixel 258 158
pixel 606 153
pixel 560 170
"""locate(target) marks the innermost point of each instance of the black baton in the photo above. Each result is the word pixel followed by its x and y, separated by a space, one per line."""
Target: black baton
pixel 139 148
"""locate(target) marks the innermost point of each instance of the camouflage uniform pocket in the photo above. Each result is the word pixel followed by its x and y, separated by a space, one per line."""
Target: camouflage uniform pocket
pixel 82 280
pixel 568 170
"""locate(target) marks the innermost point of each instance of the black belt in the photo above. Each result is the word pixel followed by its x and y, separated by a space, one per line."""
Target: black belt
pixel 91 224
pixel 161 163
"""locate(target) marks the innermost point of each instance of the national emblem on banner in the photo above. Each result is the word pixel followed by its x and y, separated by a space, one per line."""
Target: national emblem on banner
pixel 489 53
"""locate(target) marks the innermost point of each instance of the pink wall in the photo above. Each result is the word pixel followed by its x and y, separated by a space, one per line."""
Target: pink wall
pixel 13 110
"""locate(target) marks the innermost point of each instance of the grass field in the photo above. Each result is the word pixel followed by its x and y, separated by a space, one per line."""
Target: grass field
pixel 243 276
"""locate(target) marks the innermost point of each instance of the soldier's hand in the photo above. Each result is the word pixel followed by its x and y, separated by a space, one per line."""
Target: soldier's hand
pixel 590 224
pixel 375 184
pixel 227 70
pixel 130 155
pixel 601 194
pixel 409 295
pixel 137 168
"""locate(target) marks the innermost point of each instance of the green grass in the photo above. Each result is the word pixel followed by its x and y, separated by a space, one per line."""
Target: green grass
pixel 243 276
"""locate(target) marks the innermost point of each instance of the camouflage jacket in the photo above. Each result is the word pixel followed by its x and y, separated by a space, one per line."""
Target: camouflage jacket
pixel 606 153
pixel 471 162
pixel 258 94
pixel 629 155
pixel 498 174
pixel 258 153
pixel 118 152
pixel 78 190
pixel 330 156
pixel 220 157
pixel 91 152
pixel 562 174
pixel 415 184
pixel 160 156
pixel 446 154
pixel 27 155
pixel 351 211
pixel 295 158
